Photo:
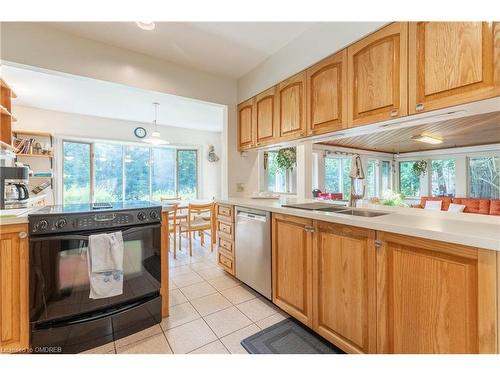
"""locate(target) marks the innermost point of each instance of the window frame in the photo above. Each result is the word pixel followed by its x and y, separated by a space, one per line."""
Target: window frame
pixel 123 144
pixel 342 159
pixel 290 176
pixel 467 169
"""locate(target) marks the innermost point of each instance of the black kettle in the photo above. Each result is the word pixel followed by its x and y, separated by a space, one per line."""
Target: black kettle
pixel 316 193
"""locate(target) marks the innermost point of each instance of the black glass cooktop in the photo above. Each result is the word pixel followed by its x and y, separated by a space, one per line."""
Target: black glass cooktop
pixel 88 207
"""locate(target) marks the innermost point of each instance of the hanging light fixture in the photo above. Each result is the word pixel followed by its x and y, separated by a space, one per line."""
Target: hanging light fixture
pixel 155 138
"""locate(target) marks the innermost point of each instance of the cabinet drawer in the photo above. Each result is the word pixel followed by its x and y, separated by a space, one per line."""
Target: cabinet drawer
pixel 226 262
pixel 225 213
pixel 225 244
pixel 225 229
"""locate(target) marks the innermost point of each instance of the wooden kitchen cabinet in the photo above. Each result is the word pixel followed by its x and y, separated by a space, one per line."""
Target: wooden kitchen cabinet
pixel 266 117
pixel 326 93
pixel 344 282
pixel 225 237
pixel 291 100
pixel 245 125
pixel 14 286
pixel 292 266
pixel 452 63
pixel 377 76
pixel 435 297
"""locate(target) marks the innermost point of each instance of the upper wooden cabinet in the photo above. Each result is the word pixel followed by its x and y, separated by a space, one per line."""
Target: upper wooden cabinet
pixel 327 95
pixel 14 320
pixel 291 266
pixel 292 107
pixel 377 69
pixel 344 282
pixel 245 124
pixel 266 117
pixel 452 63
pixel 435 297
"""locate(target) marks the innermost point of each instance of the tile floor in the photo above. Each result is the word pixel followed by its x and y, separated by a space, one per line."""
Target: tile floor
pixel 210 311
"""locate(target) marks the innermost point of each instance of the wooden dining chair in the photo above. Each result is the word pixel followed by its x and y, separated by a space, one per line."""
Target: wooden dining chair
pixel 200 218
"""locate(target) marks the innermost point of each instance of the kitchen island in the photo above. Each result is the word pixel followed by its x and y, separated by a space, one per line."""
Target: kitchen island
pixel 411 281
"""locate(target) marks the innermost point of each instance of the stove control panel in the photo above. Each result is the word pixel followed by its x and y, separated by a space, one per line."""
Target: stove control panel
pixel 60 223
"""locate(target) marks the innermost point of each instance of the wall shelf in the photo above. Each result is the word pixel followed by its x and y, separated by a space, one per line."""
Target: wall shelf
pixel 36 155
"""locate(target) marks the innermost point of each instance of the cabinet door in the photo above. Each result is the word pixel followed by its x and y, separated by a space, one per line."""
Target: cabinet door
pixel 344 274
pixel 292 107
pixel 327 95
pixel 291 260
pixel 266 117
pixel 452 63
pixel 245 124
pixel 435 297
pixel 14 320
pixel 377 69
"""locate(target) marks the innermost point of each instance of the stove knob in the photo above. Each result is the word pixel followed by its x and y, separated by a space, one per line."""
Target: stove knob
pixel 141 216
pixel 61 223
pixel 42 224
pixel 153 215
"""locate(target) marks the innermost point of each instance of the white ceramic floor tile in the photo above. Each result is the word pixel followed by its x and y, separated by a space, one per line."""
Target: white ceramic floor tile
pixel 257 309
pixel 172 285
pixel 232 341
pixel 271 320
pixel 224 282
pixel 152 345
pixel 239 294
pixel 186 279
pixel 210 273
pixel 210 304
pixel 108 348
pixel 227 321
pixel 175 297
pixel 175 271
pixel 202 265
pixel 215 347
pixel 180 314
pixel 198 290
pixel 141 335
pixel 190 336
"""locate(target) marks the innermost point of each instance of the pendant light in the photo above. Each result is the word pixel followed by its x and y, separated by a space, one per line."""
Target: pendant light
pixel 155 134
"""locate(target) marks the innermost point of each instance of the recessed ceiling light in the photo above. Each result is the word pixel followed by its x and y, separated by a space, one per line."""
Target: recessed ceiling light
pixel 146 25
pixel 427 139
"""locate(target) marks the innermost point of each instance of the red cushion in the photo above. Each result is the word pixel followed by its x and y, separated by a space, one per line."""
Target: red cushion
pixel 444 205
pixel 495 207
pixel 474 205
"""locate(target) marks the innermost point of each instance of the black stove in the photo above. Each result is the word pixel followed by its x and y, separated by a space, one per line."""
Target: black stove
pixel 63 317
pixel 77 217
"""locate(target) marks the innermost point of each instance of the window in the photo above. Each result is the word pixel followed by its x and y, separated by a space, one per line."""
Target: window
pixel 277 180
pixel 337 178
pixel 443 178
pixel 484 177
pixel 386 176
pixel 409 183
pixel 108 172
pixel 186 172
pixel 76 172
pixel 127 172
pixel 371 177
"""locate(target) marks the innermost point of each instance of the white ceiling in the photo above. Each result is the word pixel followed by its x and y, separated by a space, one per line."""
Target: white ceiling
pixel 229 49
pixel 75 94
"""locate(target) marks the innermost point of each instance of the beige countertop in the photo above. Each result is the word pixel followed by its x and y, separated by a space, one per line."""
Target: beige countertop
pixel 461 228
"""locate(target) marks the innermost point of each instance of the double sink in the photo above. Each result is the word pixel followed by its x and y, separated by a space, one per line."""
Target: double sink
pixel 325 207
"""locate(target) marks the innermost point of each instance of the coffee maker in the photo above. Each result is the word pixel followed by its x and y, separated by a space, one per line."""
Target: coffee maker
pixel 13 187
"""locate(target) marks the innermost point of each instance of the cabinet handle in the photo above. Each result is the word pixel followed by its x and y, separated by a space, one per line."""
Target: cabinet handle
pixel 394 112
pixel 309 229
pixel 378 244
pixel 23 234
pixel 419 107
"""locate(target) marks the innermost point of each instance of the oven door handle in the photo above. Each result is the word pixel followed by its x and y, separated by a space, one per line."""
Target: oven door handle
pixel 86 237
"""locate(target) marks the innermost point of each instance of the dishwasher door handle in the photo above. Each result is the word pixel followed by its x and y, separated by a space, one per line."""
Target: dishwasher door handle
pixel 250 216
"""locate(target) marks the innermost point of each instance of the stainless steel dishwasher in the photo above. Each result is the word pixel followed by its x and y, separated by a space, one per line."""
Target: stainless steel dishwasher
pixel 253 249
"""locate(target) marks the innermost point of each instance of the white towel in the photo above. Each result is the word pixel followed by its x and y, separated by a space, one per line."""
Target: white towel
pixel 105 265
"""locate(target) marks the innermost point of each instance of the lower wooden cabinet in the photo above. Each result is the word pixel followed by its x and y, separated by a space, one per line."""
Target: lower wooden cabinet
pixel 292 266
pixel 435 297
pixel 344 281
pixel 225 238
pixel 377 292
pixel 14 284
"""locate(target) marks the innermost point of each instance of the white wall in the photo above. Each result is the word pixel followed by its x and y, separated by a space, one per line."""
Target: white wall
pixel 80 126
pixel 316 43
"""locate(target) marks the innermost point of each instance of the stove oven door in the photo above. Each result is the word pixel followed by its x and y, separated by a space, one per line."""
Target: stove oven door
pixel 59 286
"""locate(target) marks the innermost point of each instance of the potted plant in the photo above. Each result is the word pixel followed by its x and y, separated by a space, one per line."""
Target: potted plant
pixel 419 168
pixel 286 158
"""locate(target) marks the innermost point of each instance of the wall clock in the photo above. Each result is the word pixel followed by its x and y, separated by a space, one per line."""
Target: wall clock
pixel 140 132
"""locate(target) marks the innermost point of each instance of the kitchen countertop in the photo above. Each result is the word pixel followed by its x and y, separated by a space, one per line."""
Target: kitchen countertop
pixel 476 230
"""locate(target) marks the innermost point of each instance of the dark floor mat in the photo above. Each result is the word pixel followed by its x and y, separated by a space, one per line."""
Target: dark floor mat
pixel 288 337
